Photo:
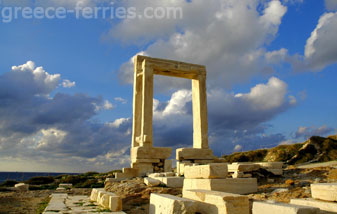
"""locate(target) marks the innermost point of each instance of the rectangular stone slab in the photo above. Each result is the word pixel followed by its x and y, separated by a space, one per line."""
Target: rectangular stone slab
pixel 150 153
pixel 325 207
pixel 325 191
pixel 169 204
pixel 243 167
pixel 214 170
pixel 172 182
pixel 194 154
pixel 280 208
pixel 230 185
pixel 224 203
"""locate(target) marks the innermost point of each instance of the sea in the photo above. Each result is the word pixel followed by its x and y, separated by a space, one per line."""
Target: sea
pixel 23 176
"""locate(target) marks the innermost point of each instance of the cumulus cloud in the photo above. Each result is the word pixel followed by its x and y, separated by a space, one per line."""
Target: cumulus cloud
pixel 307 132
pixel 320 50
pixel 227 36
pixel 68 84
pixel 121 100
pixel 234 119
pixel 38 126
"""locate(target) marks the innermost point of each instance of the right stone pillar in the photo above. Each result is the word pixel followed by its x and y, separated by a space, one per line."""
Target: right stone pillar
pixel 200 121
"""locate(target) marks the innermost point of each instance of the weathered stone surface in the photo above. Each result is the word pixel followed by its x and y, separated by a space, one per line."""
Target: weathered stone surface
pixel 115 202
pixel 169 204
pixel 127 173
pixel 325 191
pixel 152 182
pixel 181 166
pixel 161 174
pixel 67 186
pixel 325 207
pixel 150 153
pixel 143 168
pixel 94 193
pixel 168 166
pixel 21 187
pixel 230 185
pixel 173 182
pixel 214 170
pixel 61 190
pixel 242 167
pixel 57 203
pixel 194 154
pixel 280 208
pixel 224 203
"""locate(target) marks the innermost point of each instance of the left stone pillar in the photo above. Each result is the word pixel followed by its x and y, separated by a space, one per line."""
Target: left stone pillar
pixel 137 101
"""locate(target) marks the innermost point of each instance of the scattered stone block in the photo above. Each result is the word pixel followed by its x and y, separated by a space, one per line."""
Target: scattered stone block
pixel 127 173
pixel 194 154
pixel 143 168
pixel 21 187
pixel 243 167
pixel 169 204
pixel 280 208
pixel 67 186
pixel 224 203
pixel 325 207
pixel 61 190
pixel 150 153
pixel 214 170
pixel 162 174
pixel 151 182
pixel 172 182
pixel 168 166
pixel 230 185
pixel 94 193
pixel 181 166
pixel 324 191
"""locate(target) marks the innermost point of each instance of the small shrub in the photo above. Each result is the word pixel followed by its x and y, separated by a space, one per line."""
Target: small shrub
pixel 8 183
pixel 41 180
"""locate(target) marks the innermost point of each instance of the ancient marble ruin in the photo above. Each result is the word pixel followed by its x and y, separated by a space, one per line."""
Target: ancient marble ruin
pixel 145 158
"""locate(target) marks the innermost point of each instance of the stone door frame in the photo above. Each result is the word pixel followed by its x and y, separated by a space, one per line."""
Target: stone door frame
pixel 144 70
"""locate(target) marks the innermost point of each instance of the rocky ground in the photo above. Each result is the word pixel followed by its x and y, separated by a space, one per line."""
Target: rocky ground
pixel 294 184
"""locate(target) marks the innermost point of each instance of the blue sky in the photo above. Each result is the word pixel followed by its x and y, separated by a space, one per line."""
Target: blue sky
pixel 271 79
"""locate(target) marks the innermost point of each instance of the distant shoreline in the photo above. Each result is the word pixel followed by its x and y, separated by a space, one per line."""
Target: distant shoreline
pixel 23 176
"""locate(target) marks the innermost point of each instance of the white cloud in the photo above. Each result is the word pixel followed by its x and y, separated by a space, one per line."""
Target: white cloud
pixel 269 96
pixel 121 100
pixel 68 84
pixel 227 36
pixel 107 105
pixel 44 81
pixel 321 48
